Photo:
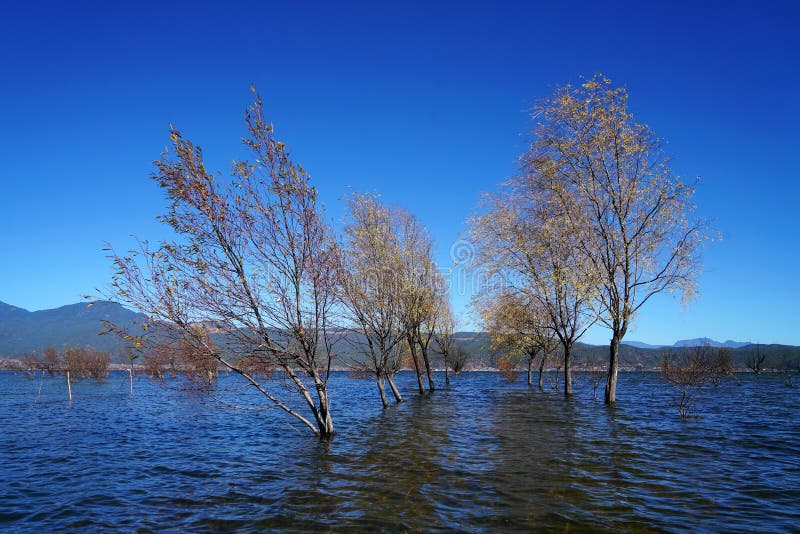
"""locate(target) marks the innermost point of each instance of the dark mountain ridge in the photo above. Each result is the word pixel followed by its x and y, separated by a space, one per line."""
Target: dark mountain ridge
pixel 24 332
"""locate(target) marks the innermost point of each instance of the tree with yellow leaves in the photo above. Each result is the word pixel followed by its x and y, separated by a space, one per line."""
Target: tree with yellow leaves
pixel 373 288
pixel 518 327
pixel 626 213
pixel 526 252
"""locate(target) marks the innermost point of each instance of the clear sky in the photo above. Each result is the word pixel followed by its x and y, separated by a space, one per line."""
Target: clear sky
pixel 424 103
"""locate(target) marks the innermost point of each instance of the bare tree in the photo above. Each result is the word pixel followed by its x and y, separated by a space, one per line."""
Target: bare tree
pixel 85 362
pixel 253 265
pixel 507 367
pixel 458 358
pixel 611 175
pixel 756 358
pixel 73 362
pixel 723 363
pixel 691 370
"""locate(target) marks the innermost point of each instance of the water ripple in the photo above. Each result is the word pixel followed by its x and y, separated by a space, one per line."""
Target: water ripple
pixel 478 456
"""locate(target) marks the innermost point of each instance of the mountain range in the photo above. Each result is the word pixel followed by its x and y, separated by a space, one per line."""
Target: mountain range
pixel 25 332
pixel 696 342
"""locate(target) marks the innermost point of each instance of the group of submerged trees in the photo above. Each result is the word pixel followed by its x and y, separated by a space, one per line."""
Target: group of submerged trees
pixel 593 226
pixel 72 362
pixel 256 282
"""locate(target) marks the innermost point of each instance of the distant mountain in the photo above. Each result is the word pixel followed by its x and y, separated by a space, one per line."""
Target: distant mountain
pixel 701 341
pixel 7 310
pixel 23 331
pixel 641 345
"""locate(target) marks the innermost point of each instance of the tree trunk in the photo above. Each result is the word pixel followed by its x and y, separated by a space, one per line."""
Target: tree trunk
pixel 613 367
pixel 541 371
pixel 530 371
pixel 446 373
pixel 325 421
pixel 412 346
pixel 383 393
pixel 427 361
pixel 397 397
pixel 567 371
pixel 69 386
pixel 130 375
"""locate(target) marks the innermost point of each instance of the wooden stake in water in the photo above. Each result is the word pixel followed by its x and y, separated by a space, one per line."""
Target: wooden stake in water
pixel 41 380
pixel 69 386
pixel 130 374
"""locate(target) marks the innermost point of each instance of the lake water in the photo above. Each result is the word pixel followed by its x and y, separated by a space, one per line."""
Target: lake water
pixel 479 455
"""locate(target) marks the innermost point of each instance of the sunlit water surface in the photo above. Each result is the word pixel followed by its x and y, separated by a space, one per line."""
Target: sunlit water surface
pixel 479 455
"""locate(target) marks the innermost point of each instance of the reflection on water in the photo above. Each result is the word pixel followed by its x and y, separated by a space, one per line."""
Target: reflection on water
pixel 481 455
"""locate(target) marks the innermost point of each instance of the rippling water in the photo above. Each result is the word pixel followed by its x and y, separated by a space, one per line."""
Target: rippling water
pixel 480 455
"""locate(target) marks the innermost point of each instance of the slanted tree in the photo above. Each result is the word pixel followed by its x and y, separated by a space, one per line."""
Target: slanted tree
pixel 632 216
pixel 253 263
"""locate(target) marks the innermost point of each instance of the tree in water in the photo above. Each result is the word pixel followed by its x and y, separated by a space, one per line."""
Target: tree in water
pixel 756 359
pixel 527 250
pixel 692 369
pixel 373 289
pixel 458 358
pixel 518 327
pixel 252 268
pixel 443 335
pixel 632 217
pixel 421 286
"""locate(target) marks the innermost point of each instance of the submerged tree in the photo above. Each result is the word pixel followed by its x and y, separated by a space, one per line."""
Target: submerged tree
pixel 458 358
pixel 692 369
pixel 756 359
pixel 252 267
pixel 373 289
pixel 420 284
pixel 507 367
pixel 632 216
pixel 518 327
pixel 443 336
pixel 74 363
pixel 527 249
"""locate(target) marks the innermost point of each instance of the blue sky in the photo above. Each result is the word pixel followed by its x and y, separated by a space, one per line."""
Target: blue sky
pixel 423 103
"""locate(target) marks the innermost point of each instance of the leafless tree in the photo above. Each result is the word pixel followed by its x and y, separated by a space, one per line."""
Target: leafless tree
pixel 253 264
pixel 756 358
pixel 691 370
pixel 458 358
pixel 507 367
